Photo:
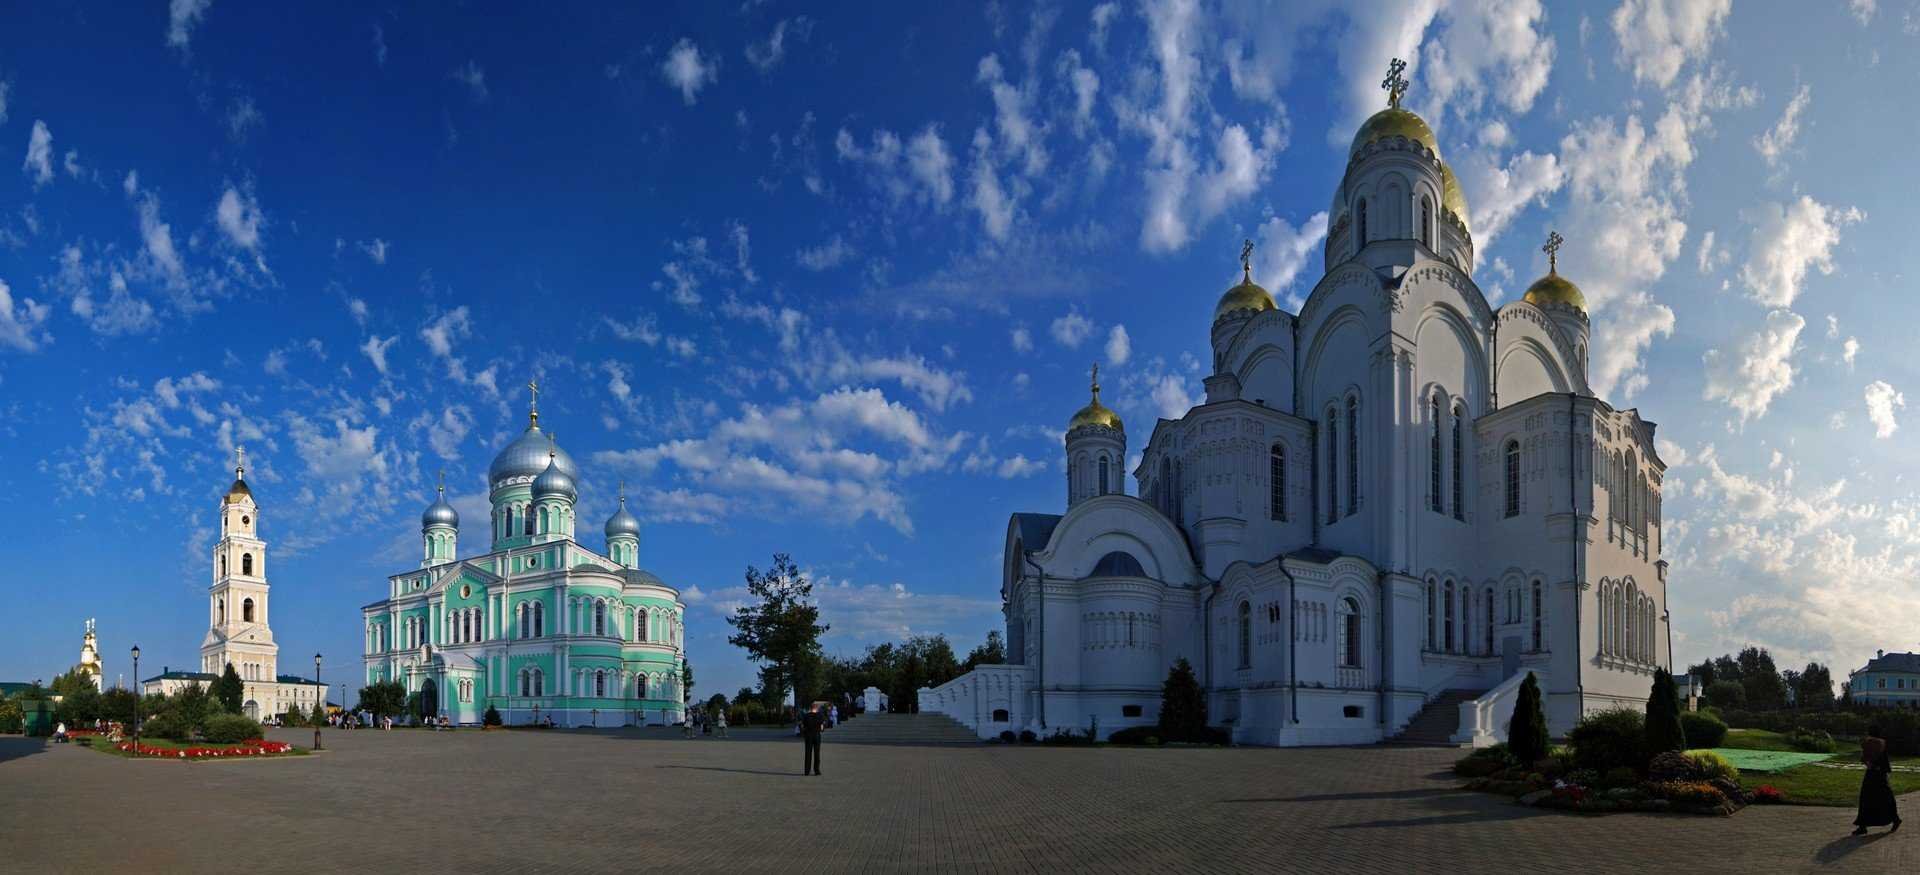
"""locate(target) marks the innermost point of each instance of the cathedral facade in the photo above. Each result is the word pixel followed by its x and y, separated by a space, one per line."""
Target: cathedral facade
pixel 539 626
pixel 238 629
pixel 1398 498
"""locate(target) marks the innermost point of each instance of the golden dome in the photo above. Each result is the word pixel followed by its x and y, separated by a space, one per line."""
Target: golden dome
pixel 1096 413
pixel 1394 122
pixel 237 491
pixel 1555 289
pixel 1452 197
pixel 1248 295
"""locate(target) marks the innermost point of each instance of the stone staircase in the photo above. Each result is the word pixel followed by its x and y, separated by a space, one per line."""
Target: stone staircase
pixel 926 729
pixel 1438 721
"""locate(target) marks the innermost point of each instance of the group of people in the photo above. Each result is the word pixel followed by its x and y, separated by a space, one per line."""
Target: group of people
pixel 698 721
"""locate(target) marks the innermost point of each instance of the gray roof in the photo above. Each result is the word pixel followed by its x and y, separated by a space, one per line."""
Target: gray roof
pixel 527 457
pixel 440 513
pixel 1036 529
pixel 553 481
pixel 1894 662
pixel 622 522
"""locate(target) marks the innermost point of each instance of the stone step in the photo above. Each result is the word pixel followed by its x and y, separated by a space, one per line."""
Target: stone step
pixel 903 729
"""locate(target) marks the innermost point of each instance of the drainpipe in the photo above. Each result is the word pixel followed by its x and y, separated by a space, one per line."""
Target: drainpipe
pixel 1573 502
pixel 1293 640
pixel 1040 671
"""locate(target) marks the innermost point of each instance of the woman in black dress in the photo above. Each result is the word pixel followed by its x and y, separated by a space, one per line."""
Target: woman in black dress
pixel 1876 791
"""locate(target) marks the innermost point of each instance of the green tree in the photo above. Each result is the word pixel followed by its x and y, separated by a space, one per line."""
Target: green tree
pixel 1726 694
pixel 1766 691
pixel 79 707
pixel 12 717
pixel 188 708
pixel 68 684
pixel 118 705
pixel 904 698
pixel 1664 732
pixel 383 699
pixel 319 715
pixel 780 628
pixel 686 678
pixel 1183 705
pixel 228 691
pixel 1703 672
pixel 1816 687
pixel 717 704
pixel 936 658
pixel 994 652
pixel 1527 731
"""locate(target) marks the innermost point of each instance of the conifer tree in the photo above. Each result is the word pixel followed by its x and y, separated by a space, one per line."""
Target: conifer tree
pixel 1183 705
pixel 229 691
pixel 1527 731
pixel 1663 716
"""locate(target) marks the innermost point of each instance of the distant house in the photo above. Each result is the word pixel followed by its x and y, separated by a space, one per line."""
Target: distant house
pixel 1889 680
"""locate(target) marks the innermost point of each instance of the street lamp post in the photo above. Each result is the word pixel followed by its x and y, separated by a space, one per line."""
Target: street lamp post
pixel 323 700
pixel 136 698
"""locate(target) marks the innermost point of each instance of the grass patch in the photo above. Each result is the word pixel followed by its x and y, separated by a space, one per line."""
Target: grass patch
pixel 1758 739
pixel 1818 785
pixel 1768 761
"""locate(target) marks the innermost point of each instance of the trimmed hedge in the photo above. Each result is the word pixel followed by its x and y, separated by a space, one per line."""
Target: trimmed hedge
pixel 1703 729
pixel 1146 735
pixel 231 729
pixel 1901 729
pixel 1610 739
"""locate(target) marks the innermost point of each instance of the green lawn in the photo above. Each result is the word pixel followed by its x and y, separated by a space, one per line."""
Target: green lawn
pixel 1817 785
pixel 1757 739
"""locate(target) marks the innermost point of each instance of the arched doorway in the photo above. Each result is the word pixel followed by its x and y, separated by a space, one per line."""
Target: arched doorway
pixel 429 698
pixel 253 709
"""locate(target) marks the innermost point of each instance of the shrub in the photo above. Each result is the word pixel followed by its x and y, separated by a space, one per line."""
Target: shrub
pixel 1812 740
pixel 231 729
pixel 1527 731
pixel 1610 739
pixel 1702 729
pixel 1485 762
pixel 1663 728
pixel 1027 736
pixel 1136 735
pixel 1711 765
pixel 1674 766
pixel 1583 778
pixel 168 725
pixel 12 717
pixel 1067 738
pixel 492 717
pixel 1007 736
pixel 1620 777
pixel 1690 793
pixel 1183 705
pixel 1767 794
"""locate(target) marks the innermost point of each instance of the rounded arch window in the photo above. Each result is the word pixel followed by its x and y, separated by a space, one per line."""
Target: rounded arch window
pixel 1118 563
pixel 246 611
pixel 246 563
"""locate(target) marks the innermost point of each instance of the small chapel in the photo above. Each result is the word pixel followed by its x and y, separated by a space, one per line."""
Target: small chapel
pixel 1389 509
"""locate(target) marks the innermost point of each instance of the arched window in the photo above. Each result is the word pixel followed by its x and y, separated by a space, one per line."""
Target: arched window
pixel 1349 633
pixel 1426 221
pixel 246 611
pixel 1360 224
pixel 1433 455
pixel 1536 616
pixel 1448 607
pixel 1277 482
pixel 526 522
pixel 1103 475
pixel 1353 455
pixel 599 683
pixel 641 628
pixel 1489 621
pixel 223 611
pixel 1333 468
pixel 546 525
pixel 1179 499
pixel 526 682
pixel 1513 478
pixel 1431 586
pixel 509 531
pixel 599 618
pixel 1246 635
pixel 1459 454
pixel 526 620
pixel 223 565
pixel 539 619
pixel 539 682
pixel 246 563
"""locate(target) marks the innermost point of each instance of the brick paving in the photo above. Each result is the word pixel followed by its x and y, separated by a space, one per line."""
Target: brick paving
pixel 631 800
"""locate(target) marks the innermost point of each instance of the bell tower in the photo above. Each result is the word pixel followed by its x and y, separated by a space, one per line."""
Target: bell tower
pixel 237 604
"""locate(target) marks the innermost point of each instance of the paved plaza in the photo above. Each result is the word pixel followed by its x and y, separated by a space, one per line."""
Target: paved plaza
pixel 415 801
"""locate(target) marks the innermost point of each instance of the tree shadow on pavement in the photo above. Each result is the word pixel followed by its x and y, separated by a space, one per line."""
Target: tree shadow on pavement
pixel 15 747
pixel 739 771
pixel 1839 848
pixel 1351 797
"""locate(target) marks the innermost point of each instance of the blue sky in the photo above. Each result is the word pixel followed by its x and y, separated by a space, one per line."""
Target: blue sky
pixel 828 281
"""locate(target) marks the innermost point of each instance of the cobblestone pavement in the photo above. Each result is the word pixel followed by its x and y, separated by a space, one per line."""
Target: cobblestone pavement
pixel 408 801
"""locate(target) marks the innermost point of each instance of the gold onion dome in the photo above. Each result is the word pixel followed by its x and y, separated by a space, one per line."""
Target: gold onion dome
pixel 1452 197
pixel 1554 288
pixel 239 488
pixel 1394 122
pixel 1096 413
pixel 1248 295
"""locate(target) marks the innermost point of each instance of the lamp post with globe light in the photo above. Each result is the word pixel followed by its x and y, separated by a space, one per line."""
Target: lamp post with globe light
pixel 323 697
pixel 136 697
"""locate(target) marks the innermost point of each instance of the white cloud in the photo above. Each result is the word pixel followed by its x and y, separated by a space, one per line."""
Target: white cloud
pixel 1849 350
pixel 1658 37
pixel 239 218
pixel 920 169
pixel 1882 399
pixel 475 79
pixel 1485 49
pixel 375 350
pixel 990 199
pixel 1775 141
pixel 686 70
pixel 642 329
pixel 1863 10
pixel 1284 250
pixel 1018 133
pixel 768 55
pixel 182 17
pixel 1022 339
pixel 242 117
pixel 1788 239
pixel 1498 194
pixel 6 89
pixel 1085 85
pixel 358 309
pixel 1071 330
pixel 826 256
pixel 22 323
pixel 1119 346
pixel 445 433
pixel 39 163
pixel 1759 369
pixel 1170 397
pixel 375 249
pixel 447 329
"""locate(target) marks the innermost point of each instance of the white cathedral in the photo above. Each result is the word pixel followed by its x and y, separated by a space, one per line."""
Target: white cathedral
pixel 1398 500
pixel 238 633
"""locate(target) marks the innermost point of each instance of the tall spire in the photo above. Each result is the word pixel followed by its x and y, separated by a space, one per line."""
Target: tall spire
pixel 1552 250
pixel 533 402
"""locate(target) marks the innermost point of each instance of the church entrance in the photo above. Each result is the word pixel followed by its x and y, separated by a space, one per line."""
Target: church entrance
pixel 429 698
pixel 253 710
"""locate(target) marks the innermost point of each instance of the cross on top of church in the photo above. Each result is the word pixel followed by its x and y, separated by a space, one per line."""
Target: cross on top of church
pixel 240 462
pixel 442 476
pixel 1095 381
pixel 533 401
pixel 1395 83
pixel 1552 249
pixel 1246 260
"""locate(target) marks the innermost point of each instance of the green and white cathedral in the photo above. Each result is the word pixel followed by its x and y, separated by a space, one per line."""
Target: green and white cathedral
pixel 539 626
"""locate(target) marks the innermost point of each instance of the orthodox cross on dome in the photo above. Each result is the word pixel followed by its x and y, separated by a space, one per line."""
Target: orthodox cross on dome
pixel 533 402
pixel 1095 381
pixel 443 481
pixel 240 463
pixel 1395 83
pixel 623 492
pixel 89 625
pixel 1551 249
pixel 1246 260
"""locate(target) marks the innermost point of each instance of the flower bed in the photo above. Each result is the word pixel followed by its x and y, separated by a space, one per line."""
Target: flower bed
pixel 258 747
pixel 1678 782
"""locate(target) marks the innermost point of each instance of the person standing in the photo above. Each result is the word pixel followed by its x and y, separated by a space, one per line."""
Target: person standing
pixel 721 720
pixel 833 717
pixel 810 725
pixel 1877 806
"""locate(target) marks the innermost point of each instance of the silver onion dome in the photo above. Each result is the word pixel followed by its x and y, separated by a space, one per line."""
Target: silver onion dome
pixel 440 513
pixel 528 456
pixel 554 482
pixel 622 522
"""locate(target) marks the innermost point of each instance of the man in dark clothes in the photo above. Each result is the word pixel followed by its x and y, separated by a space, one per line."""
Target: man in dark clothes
pixel 810 726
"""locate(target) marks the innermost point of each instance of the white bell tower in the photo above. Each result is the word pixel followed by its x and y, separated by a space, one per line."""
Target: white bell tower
pixel 237 603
